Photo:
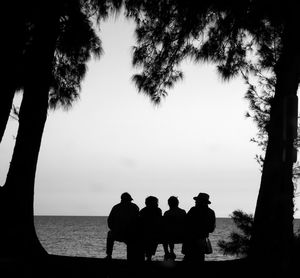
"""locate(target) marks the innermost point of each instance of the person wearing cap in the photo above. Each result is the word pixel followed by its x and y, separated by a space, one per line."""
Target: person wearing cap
pixel 200 222
pixel 122 224
pixel 173 225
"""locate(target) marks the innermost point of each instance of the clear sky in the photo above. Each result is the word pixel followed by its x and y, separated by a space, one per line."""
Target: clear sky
pixel 115 140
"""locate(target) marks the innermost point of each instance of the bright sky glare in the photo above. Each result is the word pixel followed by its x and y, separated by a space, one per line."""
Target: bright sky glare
pixel 115 140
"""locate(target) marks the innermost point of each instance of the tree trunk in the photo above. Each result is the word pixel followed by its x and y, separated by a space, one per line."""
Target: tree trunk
pixel 19 236
pixel 5 107
pixel 14 43
pixel 273 220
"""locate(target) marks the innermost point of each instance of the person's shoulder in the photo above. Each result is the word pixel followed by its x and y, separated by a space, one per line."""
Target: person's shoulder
pixel 182 210
pixel 192 209
pixel 211 210
pixel 167 212
pixel 114 210
pixel 143 210
pixel 116 206
pixel 135 206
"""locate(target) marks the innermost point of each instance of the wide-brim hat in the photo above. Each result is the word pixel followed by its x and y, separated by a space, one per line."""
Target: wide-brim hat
pixel 203 197
pixel 126 196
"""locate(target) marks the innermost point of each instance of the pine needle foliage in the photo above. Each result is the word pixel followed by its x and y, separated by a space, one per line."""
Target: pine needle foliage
pixel 76 44
pixel 239 241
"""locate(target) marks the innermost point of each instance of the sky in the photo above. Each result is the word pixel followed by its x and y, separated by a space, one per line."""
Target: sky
pixel 114 140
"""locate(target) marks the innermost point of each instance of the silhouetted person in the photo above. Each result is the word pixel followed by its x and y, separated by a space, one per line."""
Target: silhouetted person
pixel 150 226
pixel 200 221
pixel 173 223
pixel 122 222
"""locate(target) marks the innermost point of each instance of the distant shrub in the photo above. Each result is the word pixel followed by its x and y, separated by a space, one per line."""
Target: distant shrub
pixel 239 242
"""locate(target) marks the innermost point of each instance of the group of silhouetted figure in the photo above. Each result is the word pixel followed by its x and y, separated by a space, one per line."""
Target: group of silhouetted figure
pixel 142 230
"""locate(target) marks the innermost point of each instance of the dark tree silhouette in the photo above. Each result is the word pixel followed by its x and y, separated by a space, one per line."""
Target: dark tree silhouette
pixel 19 188
pixel 260 97
pixel 68 66
pixel 62 41
pixel 228 33
pixel 14 38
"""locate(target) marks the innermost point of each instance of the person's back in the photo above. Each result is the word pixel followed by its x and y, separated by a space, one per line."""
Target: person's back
pixel 122 223
pixel 173 227
pixel 200 221
pixel 122 220
pixel 174 223
pixel 150 221
pixel 150 226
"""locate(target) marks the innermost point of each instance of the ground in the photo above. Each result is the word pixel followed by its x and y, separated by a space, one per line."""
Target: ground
pixel 60 266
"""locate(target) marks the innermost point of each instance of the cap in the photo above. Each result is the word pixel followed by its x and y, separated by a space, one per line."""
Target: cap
pixel 126 196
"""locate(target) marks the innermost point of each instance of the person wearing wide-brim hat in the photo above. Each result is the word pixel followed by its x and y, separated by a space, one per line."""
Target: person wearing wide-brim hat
pixel 203 198
pixel 201 221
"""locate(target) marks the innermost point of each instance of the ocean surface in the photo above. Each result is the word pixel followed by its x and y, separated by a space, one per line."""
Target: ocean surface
pixel 85 236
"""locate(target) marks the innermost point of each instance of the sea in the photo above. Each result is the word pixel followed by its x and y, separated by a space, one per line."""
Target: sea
pixel 85 236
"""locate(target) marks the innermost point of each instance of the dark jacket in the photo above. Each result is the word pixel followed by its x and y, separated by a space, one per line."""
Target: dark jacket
pixel 174 224
pixel 200 222
pixel 122 220
pixel 150 223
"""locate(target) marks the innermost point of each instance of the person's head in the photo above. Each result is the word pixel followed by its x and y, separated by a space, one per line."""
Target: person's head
pixel 126 198
pixel 151 201
pixel 173 202
pixel 202 199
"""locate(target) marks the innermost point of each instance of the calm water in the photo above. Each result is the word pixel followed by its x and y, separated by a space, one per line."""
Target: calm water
pixel 85 236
